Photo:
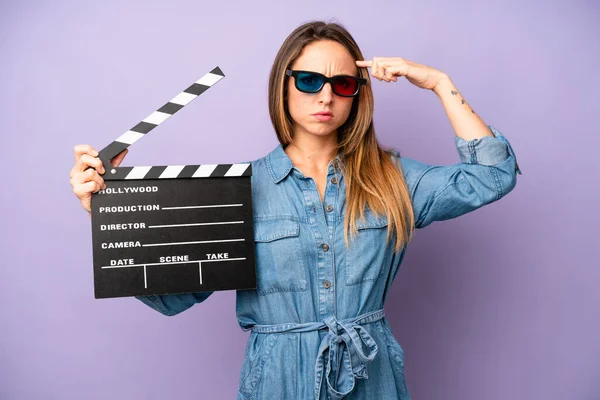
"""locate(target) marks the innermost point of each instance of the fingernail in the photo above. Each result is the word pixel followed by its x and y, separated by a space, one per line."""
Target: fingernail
pixel 94 153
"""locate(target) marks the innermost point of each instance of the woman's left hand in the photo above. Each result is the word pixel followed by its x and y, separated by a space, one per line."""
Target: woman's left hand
pixel 389 68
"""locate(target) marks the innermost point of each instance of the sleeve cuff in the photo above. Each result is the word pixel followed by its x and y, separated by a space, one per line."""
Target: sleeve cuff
pixel 485 151
pixel 155 302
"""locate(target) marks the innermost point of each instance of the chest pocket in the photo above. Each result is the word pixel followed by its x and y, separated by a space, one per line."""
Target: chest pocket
pixel 366 258
pixel 280 266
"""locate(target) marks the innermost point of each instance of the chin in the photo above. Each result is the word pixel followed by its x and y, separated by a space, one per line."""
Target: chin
pixel 322 130
pixel 317 129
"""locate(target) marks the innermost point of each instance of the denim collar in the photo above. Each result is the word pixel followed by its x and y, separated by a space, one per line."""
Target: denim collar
pixel 280 165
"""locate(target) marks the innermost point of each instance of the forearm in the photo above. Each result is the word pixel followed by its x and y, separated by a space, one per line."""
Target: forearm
pixel 465 122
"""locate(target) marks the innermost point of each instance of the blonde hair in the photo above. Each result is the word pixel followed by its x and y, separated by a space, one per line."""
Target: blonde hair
pixel 372 178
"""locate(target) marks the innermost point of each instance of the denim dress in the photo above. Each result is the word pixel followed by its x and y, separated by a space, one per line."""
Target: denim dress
pixel 317 324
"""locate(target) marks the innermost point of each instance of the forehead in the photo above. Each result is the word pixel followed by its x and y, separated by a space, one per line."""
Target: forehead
pixel 327 57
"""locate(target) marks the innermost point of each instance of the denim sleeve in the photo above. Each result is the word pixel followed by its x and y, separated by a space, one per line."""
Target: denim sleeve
pixel 173 304
pixel 487 171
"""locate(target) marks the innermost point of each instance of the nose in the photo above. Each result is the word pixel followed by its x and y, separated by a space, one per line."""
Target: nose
pixel 326 94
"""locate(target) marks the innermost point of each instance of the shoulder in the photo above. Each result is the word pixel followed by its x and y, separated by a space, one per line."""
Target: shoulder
pixel 256 162
pixel 411 169
pixel 261 167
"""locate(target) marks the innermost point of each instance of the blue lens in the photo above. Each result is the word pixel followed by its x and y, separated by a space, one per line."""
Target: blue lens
pixel 309 82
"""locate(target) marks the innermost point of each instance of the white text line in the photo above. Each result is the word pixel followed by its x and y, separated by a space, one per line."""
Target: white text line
pixel 197 224
pixel 181 262
pixel 213 206
pixel 197 242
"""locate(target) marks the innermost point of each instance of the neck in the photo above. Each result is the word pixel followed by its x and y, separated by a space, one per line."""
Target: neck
pixel 311 150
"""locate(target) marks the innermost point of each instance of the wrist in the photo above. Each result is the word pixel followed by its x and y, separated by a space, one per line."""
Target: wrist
pixel 444 83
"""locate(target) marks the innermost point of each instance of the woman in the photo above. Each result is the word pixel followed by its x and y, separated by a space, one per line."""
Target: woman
pixel 333 213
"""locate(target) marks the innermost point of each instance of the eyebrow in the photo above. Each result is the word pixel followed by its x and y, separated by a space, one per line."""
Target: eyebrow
pixel 341 73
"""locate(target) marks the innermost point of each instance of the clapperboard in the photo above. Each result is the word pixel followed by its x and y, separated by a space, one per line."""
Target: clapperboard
pixel 172 229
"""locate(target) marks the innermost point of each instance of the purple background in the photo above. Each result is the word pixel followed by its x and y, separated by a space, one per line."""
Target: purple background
pixel 501 303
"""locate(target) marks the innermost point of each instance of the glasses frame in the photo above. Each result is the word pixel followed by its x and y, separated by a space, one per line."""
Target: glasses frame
pixel 294 73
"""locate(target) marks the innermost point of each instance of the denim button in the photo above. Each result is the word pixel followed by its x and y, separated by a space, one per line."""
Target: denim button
pixel 334 180
pixel 327 284
pixel 325 246
pixel 329 208
pixel 306 183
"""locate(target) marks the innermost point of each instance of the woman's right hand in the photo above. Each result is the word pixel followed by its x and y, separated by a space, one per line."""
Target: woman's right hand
pixel 85 175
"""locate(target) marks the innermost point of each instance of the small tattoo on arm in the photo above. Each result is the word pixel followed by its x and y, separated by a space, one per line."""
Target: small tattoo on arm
pixel 463 101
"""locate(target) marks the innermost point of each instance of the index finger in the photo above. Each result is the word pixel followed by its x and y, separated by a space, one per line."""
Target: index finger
pixel 82 149
pixel 364 63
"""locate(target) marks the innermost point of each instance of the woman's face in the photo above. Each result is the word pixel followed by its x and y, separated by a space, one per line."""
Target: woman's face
pixel 328 58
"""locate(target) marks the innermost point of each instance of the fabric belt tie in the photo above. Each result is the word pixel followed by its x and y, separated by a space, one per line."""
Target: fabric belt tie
pixel 344 351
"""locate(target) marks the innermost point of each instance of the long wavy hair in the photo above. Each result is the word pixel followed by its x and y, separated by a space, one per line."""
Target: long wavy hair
pixel 372 178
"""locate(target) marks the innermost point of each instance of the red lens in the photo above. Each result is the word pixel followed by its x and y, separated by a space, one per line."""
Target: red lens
pixel 345 85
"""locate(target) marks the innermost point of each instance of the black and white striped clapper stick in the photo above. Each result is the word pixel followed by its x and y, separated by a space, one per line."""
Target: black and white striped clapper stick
pixel 152 121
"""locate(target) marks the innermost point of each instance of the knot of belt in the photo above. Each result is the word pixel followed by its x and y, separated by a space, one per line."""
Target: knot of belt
pixel 344 351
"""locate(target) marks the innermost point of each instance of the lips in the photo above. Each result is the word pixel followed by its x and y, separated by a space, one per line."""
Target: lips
pixel 323 116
